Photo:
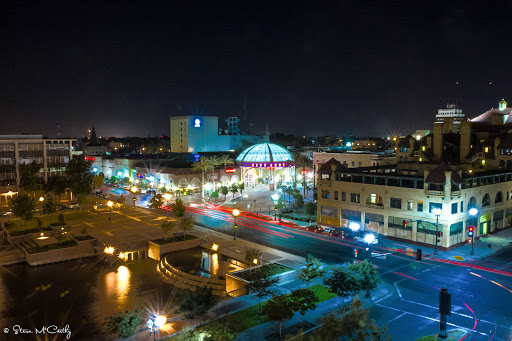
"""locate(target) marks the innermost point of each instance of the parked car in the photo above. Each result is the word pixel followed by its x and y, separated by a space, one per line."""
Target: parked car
pixel 7 214
pixel 319 229
pixel 335 233
pixel 73 206
pixel 311 227
pixel 61 208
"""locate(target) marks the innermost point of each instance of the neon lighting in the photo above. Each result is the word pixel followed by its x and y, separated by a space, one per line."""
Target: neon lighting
pixel 197 123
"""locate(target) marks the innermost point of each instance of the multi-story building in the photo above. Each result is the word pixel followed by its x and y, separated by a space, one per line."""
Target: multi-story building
pixel 450 171
pixel 453 114
pixel 200 134
pixel 351 159
pixel 15 150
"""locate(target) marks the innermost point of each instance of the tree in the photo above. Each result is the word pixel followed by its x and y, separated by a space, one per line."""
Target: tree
pixel 279 203
pixel 29 176
pixel 98 180
pixel 351 324
pixel 241 186
pixel 167 226
pixel 233 189
pixel 311 271
pixel 22 206
pixel 303 300
pixel 278 309
pixel 49 206
pixel 156 201
pixel 214 162
pixel 163 189
pixel 62 237
pixel 79 176
pixel 214 195
pixel 186 224
pixel 251 254
pixel 260 285
pixel 368 275
pixel 57 185
pixel 124 325
pixel 219 330
pixel 299 202
pixel 81 200
pixel 342 283
pixel 224 190
pixel 196 303
pixel 122 199
pixel 60 218
pixel 225 160
pixel 288 190
pixel 310 209
pixel 202 165
pixel 178 209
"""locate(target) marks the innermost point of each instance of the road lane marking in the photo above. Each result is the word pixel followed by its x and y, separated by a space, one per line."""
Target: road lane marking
pixel 402 314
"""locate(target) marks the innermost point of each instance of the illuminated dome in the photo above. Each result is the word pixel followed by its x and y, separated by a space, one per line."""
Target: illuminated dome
pixel 265 152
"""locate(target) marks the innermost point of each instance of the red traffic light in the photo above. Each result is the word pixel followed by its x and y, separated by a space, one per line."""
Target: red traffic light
pixel 471 229
pixel 404 223
pixel 303 171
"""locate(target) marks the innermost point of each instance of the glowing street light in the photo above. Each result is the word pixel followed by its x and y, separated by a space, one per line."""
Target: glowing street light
pixel 275 196
pixel 215 247
pixel 133 189
pixel 474 213
pixel 122 255
pixel 110 204
pixel 41 199
pixel 155 324
pixel 109 250
pixel 437 212
pixel 236 213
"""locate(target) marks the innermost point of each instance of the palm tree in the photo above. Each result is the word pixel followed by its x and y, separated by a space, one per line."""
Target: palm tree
pixel 214 161
pixel 202 166
pixel 225 160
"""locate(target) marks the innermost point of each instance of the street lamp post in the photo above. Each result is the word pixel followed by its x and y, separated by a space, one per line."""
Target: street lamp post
pixel 155 324
pixel 369 239
pixel 236 213
pixel 437 212
pixel 474 213
pixel 110 204
pixel 354 227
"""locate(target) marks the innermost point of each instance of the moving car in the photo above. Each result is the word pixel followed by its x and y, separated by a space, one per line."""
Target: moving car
pixel 360 238
pixel 73 206
pixel 311 227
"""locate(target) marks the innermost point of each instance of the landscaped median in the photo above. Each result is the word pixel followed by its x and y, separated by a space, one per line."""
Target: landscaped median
pixel 158 247
pixel 249 318
pixel 237 281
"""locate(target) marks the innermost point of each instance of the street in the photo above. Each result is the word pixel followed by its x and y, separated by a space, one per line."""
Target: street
pixel 481 289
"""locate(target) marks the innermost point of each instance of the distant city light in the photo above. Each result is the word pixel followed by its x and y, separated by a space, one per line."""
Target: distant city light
pixel 94 169
pixel 349 144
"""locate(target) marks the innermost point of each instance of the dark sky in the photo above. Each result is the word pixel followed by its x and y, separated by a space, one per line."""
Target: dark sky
pixel 358 67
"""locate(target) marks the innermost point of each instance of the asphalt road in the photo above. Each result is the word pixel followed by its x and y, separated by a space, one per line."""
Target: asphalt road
pixel 481 299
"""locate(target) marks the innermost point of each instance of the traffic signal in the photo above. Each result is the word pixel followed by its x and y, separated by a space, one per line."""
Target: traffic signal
pixel 303 171
pixel 355 253
pixel 235 226
pixel 404 224
pixel 470 231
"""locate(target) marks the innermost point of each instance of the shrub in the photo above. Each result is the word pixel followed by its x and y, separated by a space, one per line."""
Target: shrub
pixel 60 218
pixel 38 249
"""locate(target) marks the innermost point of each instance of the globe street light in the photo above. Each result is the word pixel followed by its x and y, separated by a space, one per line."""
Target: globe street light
pixel 369 238
pixel 437 212
pixel 474 213
pixel 354 227
pixel 236 213
pixel 110 204
pixel 155 324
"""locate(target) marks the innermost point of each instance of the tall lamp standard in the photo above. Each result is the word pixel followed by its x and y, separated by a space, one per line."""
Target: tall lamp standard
pixel 474 213
pixel 110 204
pixel 155 324
pixel 369 239
pixel 354 227
pixel 437 212
pixel 275 198
pixel 236 213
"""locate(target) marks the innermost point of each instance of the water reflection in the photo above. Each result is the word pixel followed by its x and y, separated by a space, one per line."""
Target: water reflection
pixel 117 284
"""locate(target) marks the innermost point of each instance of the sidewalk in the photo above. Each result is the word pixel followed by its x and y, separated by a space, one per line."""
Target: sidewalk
pixel 481 247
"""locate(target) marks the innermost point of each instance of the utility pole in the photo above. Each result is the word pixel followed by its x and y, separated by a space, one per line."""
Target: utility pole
pixel 445 308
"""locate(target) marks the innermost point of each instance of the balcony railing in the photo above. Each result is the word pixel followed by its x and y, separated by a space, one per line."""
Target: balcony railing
pixel 456 194
pixel 436 193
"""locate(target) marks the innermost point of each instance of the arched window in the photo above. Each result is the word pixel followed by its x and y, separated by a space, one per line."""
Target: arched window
pixel 486 201
pixel 406 159
pixel 499 198
pixel 401 159
pixel 502 164
pixel 472 203
pixel 509 164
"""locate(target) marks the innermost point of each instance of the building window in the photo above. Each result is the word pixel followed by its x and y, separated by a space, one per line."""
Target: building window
pixel 375 199
pixel 409 205
pixel 461 206
pixel 395 203
pixel 360 164
pixel 353 164
pixel 499 198
pixel 326 194
pixel 433 205
pixel 355 197
pixel 454 208
pixel 335 195
pixel 486 200
pixel 404 150
pixel 419 208
pixel 343 196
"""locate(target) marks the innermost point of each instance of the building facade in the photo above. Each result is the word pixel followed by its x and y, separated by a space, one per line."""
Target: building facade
pixel 453 114
pixel 450 171
pixel 15 150
pixel 351 159
pixel 201 134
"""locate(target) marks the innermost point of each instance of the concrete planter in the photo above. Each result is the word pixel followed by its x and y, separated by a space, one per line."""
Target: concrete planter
pixel 83 249
pixel 155 250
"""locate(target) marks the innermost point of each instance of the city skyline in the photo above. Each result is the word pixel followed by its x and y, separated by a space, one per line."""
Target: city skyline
pixel 128 69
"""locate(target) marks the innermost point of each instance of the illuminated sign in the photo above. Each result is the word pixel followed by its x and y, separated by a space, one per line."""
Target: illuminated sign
pixel 90 158
pixel 197 123
pixel 230 170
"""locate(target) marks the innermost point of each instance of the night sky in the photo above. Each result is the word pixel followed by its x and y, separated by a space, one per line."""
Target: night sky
pixel 360 67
